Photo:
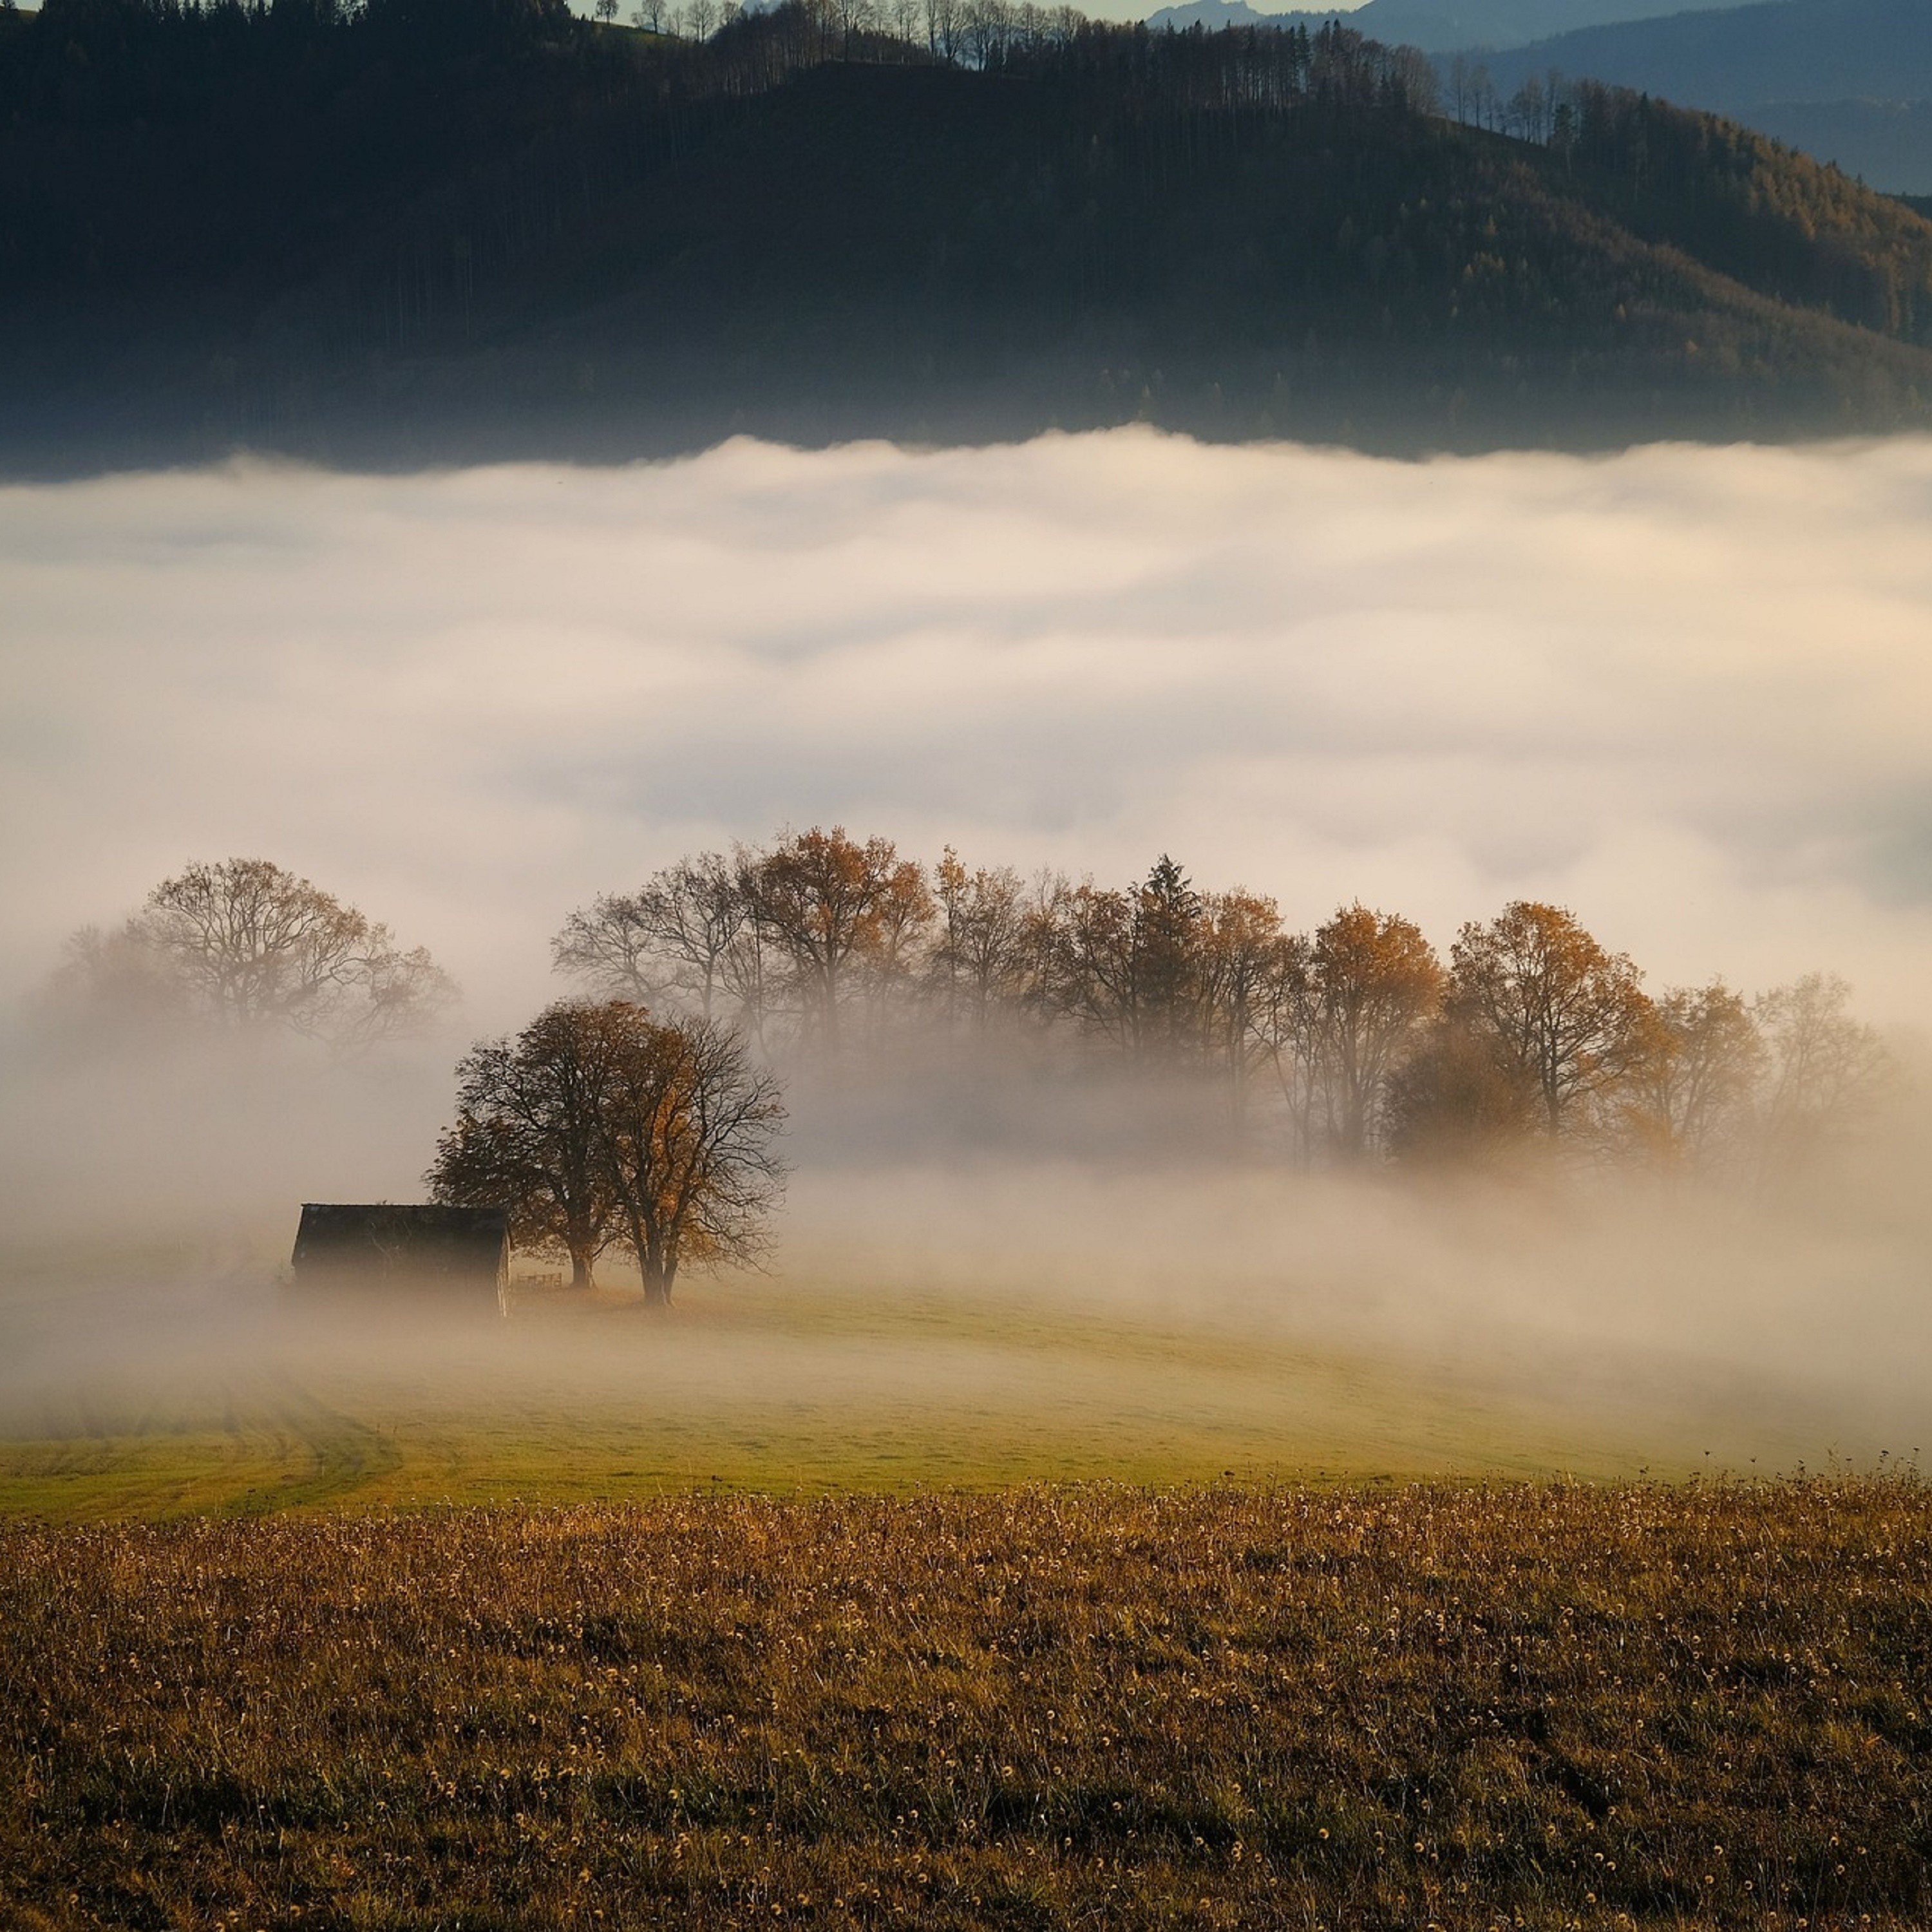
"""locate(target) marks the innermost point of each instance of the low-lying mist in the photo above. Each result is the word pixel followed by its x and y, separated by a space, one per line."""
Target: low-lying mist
pixel 1111 1283
pixel 1683 692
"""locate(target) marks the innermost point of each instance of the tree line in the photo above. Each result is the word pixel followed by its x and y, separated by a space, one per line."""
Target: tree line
pixel 1353 1042
pixel 644 1111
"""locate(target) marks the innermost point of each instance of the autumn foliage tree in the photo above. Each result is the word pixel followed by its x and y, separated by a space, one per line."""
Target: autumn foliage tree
pixel 1348 1043
pixel 1563 1020
pixel 1376 982
pixel 686 1130
pixel 597 1124
pixel 834 908
pixel 1244 956
pixel 1694 1092
pixel 527 1136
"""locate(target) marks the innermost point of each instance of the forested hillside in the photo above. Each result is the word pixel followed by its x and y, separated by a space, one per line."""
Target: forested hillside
pixel 435 228
pixel 1848 81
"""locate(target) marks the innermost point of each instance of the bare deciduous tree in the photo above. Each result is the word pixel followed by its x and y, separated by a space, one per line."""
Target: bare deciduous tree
pixel 1242 949
pixel 983 947
pixel 526 1137
pixel 1826 1072
pixel 673 937
pixel 1286 1028
pixel 243 944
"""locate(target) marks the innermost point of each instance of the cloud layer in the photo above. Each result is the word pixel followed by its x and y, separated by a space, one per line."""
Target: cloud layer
pixel 1685 691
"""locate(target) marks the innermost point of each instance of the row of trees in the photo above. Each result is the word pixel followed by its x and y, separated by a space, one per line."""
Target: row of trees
pixel 1355 1040
pixel 1357 1036
pixel 1244 67
pixel 1541 108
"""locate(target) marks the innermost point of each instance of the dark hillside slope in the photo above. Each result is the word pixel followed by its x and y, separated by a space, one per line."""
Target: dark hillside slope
pixel 388 245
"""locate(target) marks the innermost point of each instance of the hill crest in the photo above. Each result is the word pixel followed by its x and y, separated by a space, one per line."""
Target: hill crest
pixel 521 234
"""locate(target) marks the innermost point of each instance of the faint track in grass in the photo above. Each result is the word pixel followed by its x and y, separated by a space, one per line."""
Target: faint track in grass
pixel 344 1455
pixel 256 1444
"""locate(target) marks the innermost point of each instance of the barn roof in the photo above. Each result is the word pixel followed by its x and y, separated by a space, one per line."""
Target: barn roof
pixel 386 1239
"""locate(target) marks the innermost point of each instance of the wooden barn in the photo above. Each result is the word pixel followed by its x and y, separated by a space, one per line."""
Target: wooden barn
pixel 409 1256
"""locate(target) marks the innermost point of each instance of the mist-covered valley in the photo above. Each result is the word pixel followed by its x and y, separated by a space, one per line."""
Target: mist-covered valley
pixel 1679 692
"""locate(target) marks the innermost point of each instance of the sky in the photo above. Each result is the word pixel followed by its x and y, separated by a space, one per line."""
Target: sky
pixel 1684 691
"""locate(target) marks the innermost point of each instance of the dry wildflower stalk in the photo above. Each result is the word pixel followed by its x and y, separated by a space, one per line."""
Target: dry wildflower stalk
pixel 1539 1706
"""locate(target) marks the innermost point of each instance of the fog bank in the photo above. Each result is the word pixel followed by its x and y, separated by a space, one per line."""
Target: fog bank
pixel 1684 691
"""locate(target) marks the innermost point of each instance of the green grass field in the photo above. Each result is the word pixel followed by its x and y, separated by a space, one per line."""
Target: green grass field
pixel 808 1383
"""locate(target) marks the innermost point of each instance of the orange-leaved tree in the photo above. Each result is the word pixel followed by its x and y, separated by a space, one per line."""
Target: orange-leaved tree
pixel 1562 1020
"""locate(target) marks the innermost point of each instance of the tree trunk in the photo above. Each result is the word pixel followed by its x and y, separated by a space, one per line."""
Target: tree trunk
pixel 580 1260
pixel 655 1265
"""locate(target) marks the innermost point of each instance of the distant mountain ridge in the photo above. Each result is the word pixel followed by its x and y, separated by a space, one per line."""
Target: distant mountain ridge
pixel 1850 81
pixel 1436 26
pixel 1215 15
pixel 1733 57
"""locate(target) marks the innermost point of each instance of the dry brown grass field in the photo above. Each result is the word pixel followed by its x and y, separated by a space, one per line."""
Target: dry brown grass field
pixel 1533 1706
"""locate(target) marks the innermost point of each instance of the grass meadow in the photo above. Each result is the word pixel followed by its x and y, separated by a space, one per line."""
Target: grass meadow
pixel 813 1604
pixel 130 1403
